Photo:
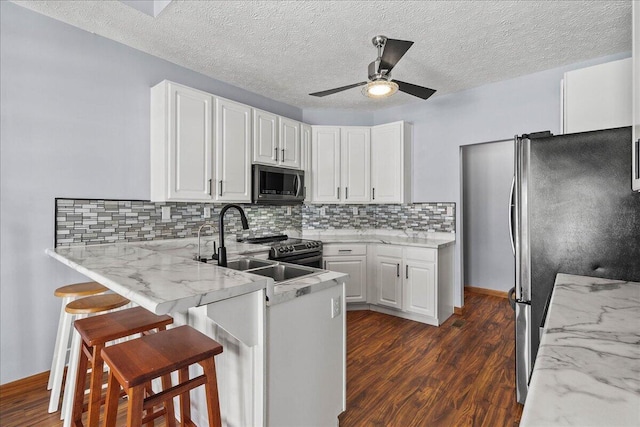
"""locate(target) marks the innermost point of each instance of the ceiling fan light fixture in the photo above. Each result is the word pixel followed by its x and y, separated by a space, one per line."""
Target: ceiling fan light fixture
pixel 379 89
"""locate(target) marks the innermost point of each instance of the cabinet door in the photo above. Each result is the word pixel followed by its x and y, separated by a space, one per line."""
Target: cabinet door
pixel 355 161
pixel 388 282
pixel 265 138
pixel 420 286
pixel 325 158
pixel 190 148
pixel 305 154
pixel 635 150
pixel 289 155
pixel 356 268
pixel 387 163
pixel 233 145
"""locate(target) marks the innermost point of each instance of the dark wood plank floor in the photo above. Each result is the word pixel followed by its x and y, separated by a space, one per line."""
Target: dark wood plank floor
pixel 404 373
pixel 400 373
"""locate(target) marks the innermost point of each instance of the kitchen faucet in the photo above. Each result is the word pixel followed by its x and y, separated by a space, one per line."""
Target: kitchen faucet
pixel 222 250
pixel 199 257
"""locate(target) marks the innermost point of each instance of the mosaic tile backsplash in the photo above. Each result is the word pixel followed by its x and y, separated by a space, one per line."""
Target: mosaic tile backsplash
pixel 89 222
pixel 429 217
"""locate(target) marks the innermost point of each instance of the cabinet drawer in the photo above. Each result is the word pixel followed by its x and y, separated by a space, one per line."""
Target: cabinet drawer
pixel 344 249
pixel 421 254
pixel 389 250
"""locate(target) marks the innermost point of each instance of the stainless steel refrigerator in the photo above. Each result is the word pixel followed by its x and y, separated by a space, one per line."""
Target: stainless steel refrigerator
pixel 572 211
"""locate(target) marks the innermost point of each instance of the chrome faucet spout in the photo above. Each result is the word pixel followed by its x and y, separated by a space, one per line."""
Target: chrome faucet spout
pixel 212 226
pixel 222 250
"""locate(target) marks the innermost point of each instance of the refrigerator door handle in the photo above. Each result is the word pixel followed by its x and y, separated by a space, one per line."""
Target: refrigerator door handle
pixel 511 213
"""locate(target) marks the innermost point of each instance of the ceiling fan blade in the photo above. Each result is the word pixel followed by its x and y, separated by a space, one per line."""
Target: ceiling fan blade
pixel 415 90
pixel 336 90
pixel 393 51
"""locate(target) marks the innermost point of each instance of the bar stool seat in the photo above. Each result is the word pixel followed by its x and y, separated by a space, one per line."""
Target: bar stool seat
pixel 68 293
pixel 78 309
pixel 135 363
pixel 95 332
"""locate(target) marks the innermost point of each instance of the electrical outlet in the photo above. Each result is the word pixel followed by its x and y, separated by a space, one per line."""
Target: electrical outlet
pixel 355 211
pixel 207 212
pixel 335 307
pixel 166 213
pixel 449 210
pixel 288 210
pixel 323 211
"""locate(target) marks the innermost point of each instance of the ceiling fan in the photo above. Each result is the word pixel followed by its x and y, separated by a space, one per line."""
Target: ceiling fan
pixel 380 84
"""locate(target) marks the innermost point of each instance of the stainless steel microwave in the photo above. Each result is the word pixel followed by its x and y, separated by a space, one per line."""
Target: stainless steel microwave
pixel 277 185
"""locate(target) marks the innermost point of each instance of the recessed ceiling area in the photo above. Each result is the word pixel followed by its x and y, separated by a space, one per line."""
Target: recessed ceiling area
pixel 286 50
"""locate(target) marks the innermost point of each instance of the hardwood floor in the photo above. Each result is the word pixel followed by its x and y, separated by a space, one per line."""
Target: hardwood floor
pixel 399 373
pixel 404 373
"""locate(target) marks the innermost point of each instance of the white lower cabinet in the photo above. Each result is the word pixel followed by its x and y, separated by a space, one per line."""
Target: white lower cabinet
pixel 414 283
pixel 351 260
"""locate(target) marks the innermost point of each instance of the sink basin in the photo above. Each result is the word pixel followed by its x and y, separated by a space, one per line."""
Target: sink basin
pixel 280 272
pixel 243 264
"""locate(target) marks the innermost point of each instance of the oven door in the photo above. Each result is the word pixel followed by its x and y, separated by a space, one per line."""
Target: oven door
pixel 309 260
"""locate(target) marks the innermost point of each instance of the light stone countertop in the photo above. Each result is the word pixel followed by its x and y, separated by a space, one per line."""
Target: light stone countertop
pixel 163 277
pixel 391 237
pixel 587 372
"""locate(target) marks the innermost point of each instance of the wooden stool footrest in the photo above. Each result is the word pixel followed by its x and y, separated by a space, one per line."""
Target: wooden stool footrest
pixel 158 398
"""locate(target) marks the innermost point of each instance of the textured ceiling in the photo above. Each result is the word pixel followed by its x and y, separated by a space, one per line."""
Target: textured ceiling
pixel 286 50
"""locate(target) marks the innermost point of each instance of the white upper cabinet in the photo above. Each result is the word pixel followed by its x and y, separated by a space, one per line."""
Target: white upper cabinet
pixel 355 164
pixel 265 137
pixel 635 169
pixel 181 143
pixel 289 143
pixel 391 163
pixel 233 151
pixel 276 140
pixel 325 161
pixel 597 97
pixel 305 155
pixel 200 146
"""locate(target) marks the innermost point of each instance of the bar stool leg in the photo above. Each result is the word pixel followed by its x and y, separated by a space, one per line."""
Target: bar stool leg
pixel 168 405
pixel 136 402
pixel 111 404
pixel 211 388
pixel 56 349
pixel 60 357
pixel 72 372
pixel 185 400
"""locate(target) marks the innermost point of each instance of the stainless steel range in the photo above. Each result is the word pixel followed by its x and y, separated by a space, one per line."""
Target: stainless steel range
pixel 292 250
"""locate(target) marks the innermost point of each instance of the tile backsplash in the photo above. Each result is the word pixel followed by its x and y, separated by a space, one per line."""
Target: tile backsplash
pixel 89 222
pixel 429 217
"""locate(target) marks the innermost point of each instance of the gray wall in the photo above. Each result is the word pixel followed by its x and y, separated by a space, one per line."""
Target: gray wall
pixel 74 123
pixel 487 170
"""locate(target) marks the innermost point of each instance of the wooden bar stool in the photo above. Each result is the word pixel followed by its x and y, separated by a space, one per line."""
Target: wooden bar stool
pixel 135 363
pixel 78 309
pixel 68 293
pixel 95 332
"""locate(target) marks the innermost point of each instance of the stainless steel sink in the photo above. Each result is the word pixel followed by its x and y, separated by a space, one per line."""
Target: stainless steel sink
pixel 243 264
pixel 281 272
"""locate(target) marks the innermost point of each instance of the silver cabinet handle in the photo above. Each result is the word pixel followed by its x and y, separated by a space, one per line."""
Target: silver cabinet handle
pixel 325 265
pixel 346 192
pixel 407 272
pixel 338 190
pixel 282 154
pixel 397 270
pixel 220 194
pixel 374 193
pixel 637 160
pixel 344 250
pixel 209 186
pixel 276 150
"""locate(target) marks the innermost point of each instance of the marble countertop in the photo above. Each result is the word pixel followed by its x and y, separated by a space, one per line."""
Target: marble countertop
pixel 587 372
pixel 163 277
pixel 390 237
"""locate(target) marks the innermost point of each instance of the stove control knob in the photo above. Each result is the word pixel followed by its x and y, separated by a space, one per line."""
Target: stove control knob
pixel 281 250
pixel 290 248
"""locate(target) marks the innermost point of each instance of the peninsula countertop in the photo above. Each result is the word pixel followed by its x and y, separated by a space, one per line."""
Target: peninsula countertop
pixel 587 372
